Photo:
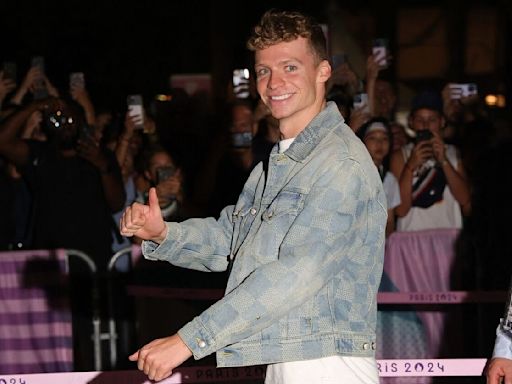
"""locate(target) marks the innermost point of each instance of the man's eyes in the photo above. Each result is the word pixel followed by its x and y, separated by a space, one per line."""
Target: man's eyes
pixel 290 68
pixel 261 72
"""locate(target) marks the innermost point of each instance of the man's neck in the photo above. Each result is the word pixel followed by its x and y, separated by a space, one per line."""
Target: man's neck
pixel 293 125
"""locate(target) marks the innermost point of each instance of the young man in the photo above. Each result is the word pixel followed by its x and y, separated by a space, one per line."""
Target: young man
pixel 304 243
pixel 433 187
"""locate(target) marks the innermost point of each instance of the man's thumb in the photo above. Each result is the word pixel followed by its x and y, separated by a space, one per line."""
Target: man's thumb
pixel 153 200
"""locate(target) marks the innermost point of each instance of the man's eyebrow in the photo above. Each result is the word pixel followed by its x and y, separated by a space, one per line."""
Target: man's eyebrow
pixel 282 62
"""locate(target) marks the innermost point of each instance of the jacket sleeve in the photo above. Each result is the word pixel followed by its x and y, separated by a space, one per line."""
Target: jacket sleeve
pixel 200 244
pixel 342 223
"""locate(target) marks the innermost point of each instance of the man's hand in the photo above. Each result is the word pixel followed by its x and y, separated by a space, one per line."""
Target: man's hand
pixel 499 368
pixel 158 358
pixel 144 221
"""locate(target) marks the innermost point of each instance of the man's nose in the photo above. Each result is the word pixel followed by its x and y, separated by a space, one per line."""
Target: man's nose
pixel 275 81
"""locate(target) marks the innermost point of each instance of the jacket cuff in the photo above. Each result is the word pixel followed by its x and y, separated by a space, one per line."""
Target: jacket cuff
pixel 198 339
pixel 155 251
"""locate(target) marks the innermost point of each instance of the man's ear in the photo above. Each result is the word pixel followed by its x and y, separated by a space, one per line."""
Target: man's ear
pixel 324 71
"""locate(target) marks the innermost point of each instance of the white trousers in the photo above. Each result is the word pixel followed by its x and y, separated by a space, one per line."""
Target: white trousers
pixel 327 370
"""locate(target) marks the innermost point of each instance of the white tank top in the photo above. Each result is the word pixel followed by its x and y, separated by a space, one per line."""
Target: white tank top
pixel 443 214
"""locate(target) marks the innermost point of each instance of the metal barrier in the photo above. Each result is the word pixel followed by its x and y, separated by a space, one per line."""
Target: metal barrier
pixel 96 317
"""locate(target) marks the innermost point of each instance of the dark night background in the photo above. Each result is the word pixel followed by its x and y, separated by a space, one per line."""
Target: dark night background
pixel 129 46
pixel 133 46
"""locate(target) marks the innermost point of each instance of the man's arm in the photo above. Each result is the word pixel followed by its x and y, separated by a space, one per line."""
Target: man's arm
pixel 455 177
pixel 200 244
pixel 12 146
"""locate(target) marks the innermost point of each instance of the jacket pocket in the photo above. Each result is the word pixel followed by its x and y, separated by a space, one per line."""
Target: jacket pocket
pixel 276 221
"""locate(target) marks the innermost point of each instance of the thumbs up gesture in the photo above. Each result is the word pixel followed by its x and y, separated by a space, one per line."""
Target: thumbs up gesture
pixel 144 221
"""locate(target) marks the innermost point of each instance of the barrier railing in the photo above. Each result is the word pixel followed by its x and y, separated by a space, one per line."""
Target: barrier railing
pixel 202 374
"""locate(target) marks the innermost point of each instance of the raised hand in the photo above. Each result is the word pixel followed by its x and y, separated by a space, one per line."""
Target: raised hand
pixel 144 221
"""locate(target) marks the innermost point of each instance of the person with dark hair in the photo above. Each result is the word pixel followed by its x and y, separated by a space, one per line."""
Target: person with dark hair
pixel 75 184
pixel 433 186
pixel 304 243
pixel 377 137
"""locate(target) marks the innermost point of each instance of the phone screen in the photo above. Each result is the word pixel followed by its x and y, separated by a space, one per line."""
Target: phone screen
pixel 380 52
pixel 361 101
pixel 40 91
pixel 77 80
pixel 241 83
pixel 135 110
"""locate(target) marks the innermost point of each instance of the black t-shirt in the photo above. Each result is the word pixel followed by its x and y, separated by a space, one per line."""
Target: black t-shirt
pixel 70 206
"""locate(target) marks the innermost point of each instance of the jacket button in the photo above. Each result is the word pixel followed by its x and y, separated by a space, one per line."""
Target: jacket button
pixel 366 346
pixel 374 346
pixel 270 214
pixel 253 211
pixel 201 343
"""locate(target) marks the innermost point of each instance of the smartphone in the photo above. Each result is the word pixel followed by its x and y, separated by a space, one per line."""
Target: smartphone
pixel 380 52
pixel 77 80
pixel 241 83
pixel 136 110
pixel 361 101
pixel 241 139
pixel 40 91
pixel 339 59
pixel 458 90
pixel 164 173
pixel 9 69
pixel 423 135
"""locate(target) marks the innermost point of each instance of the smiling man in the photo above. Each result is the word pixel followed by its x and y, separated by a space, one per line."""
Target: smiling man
pixel 304 243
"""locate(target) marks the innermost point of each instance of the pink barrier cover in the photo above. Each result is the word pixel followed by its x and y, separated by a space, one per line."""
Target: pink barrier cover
pixel 35 319
pixel 387 369
pixel 422 261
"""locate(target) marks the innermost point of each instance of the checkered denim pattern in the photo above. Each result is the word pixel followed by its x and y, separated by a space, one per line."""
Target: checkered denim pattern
pixel 306 240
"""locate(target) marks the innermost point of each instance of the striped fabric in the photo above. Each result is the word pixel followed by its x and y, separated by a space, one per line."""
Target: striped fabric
pixel 35 317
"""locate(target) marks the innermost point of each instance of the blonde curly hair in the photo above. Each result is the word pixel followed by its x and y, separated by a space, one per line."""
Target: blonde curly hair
pixel 284 26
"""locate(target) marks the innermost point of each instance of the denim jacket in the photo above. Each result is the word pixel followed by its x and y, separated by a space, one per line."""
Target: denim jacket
pixel 305 244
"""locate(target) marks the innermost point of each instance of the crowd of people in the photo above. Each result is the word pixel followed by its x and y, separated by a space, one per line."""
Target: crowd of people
pixel 68 169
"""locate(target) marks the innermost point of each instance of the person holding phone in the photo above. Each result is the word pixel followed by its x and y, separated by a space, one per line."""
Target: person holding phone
pixel 434 189
pixel 161 172
pixel 304 243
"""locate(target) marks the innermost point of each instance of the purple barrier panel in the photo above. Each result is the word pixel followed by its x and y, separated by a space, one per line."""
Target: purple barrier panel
pixel 35 317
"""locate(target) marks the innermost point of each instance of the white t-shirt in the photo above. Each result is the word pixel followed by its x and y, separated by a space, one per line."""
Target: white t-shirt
pixel 443 214
pixel 392 190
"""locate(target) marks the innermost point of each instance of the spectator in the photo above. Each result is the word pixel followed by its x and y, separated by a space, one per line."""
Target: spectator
pixel 75 184
pixel 237 159
pixel 376 136
pixel 433 188
pixel 161 172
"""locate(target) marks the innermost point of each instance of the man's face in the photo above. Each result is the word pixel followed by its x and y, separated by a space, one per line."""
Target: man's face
pixel 291 82
pixel 424 119
pixel 242 119
pixel 385 98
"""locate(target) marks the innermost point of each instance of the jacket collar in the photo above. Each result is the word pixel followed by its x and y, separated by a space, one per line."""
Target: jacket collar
pixel 315 131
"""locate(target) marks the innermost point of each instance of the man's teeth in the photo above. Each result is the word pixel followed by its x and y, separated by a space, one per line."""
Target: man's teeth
pixel 281 97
